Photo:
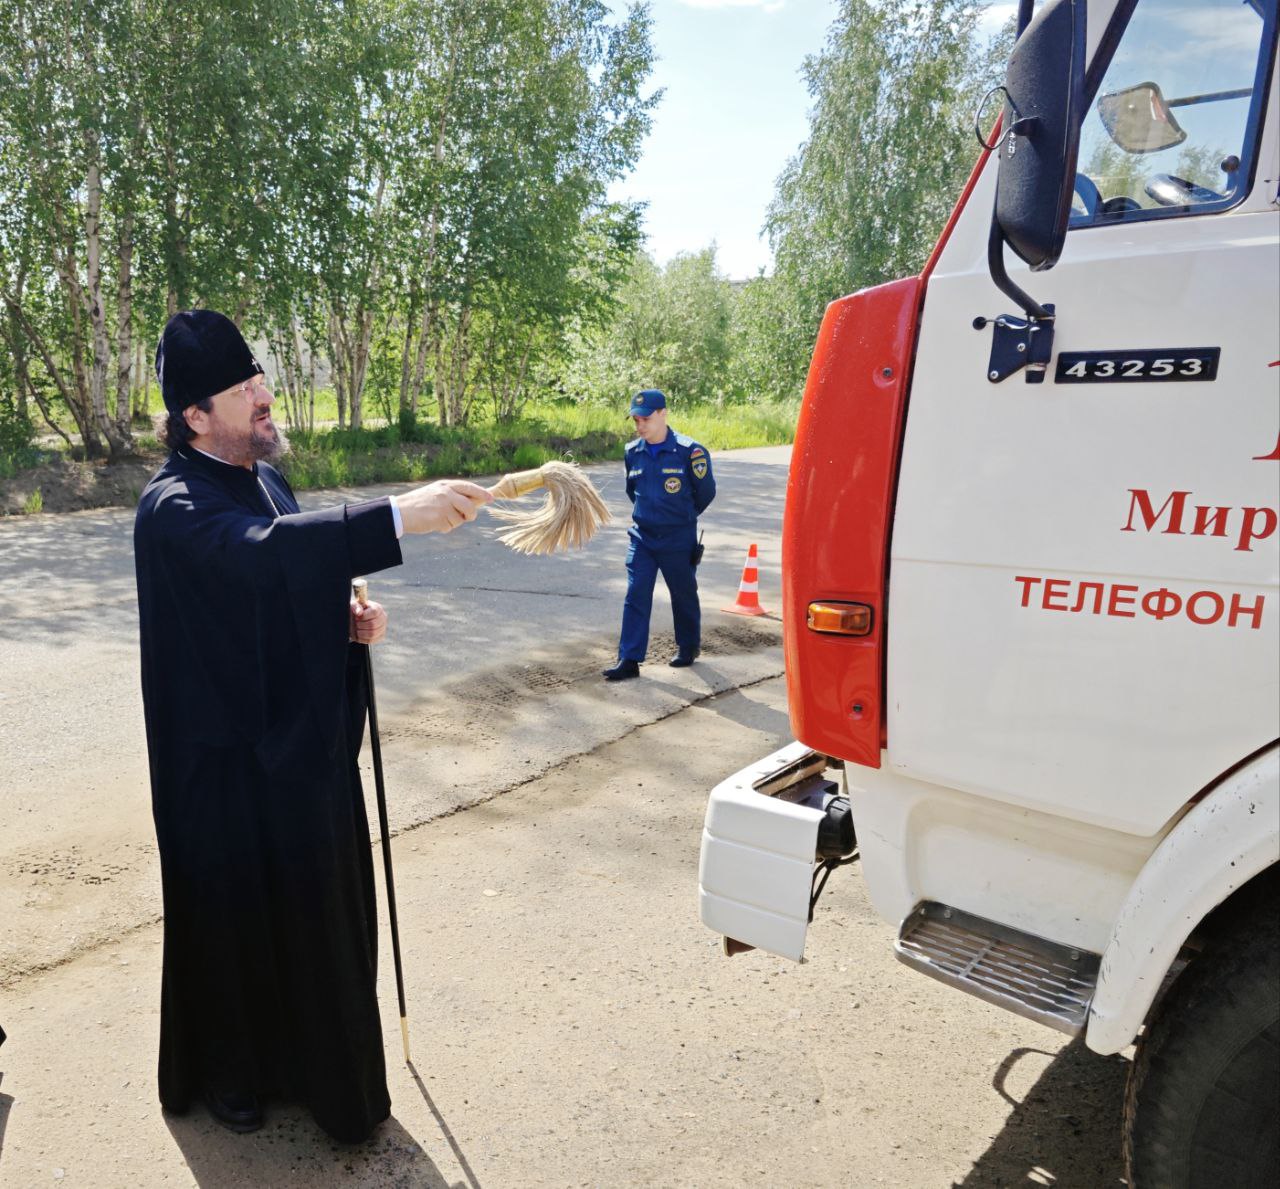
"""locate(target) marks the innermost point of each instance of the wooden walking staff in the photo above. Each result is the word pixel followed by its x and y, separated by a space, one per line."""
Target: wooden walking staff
pixel 360 588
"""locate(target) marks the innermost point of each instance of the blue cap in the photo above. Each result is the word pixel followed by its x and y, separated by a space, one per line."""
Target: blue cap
pixel 644 403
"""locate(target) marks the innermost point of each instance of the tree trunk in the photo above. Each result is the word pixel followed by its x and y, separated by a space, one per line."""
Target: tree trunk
pixel 311 391
pixel 274 344
pixel 124 327
pixel 429 323
pixel 459 406
pixel 142 381
pixel 492 381
pixel 511 389
pixel 433 228
pixel 17 333
pixel 360 368
pixel 175 250
pixel 306 383
pixel 117 442
pixel 405 406
pixel 18 345
pixel 77 396
pixel 337 358
pixel 365 311
pixel 442 383
pixel 83 425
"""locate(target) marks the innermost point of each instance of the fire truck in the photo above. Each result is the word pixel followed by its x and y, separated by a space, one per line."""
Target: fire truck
pixel 1030 584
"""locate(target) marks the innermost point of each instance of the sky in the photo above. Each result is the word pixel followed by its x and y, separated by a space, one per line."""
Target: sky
pixel 734 110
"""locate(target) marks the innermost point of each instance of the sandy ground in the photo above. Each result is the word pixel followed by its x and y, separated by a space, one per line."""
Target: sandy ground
pixel 574 1024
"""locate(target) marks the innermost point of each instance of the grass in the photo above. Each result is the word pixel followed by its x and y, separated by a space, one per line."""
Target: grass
pixel 379 454
pixel 24 458
pixel 33 503
pixel 731 427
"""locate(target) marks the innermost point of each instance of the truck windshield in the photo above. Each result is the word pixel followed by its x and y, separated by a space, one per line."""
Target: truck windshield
pixel 1173 127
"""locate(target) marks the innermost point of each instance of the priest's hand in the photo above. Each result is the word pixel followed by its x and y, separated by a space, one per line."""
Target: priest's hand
pixel 368 623
pixel 441 506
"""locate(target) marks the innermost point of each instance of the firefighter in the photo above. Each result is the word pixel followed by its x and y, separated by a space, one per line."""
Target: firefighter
pixel 669 483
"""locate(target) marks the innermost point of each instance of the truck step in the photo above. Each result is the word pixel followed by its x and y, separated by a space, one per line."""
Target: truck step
pixel 1039 979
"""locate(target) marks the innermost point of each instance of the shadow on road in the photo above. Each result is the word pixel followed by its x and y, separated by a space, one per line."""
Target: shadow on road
pixel 738 707
pixel 6 1103
pixel 1065 1131
pixel 444 1129
pixel 284 1153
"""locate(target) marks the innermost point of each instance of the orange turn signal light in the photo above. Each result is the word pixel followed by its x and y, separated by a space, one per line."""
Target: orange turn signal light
pixel 840 619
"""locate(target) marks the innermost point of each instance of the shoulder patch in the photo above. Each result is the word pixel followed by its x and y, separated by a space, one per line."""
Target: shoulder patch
pixel 700 468
pixel 697 451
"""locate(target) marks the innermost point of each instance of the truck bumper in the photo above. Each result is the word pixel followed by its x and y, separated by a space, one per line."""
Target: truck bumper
pixel 759 846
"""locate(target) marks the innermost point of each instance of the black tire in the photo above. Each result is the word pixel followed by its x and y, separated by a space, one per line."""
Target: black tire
pixel 1202 1107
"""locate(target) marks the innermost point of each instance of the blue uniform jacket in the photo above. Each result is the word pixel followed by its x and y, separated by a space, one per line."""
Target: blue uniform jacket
pixel 671 489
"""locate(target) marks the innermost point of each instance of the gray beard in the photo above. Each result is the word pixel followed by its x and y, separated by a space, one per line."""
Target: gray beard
pixel 268 447
pixel 246 449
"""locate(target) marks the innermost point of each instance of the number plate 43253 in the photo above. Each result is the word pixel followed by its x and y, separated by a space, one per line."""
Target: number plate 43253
pixel 1169 365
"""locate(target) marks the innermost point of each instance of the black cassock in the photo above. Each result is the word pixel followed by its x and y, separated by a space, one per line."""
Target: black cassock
pixel 255 706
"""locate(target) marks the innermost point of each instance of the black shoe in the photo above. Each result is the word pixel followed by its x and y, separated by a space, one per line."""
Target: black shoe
pixel 622 670
pixel 682 660
pixel 233 1109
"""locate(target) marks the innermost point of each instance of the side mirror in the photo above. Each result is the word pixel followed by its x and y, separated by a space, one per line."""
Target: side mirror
pixel 1044 88
pixel 1139 120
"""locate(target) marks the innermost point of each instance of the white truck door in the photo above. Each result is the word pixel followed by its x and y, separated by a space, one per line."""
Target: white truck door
pixel 1083 579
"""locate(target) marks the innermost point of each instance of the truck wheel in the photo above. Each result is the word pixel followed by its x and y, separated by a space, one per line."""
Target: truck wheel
pixel 1202 1107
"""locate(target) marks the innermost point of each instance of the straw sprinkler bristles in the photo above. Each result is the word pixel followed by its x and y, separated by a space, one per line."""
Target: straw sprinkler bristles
pixel 567 518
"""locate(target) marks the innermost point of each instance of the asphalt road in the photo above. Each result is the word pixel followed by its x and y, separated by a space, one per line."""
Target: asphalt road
pixel 574 1024
pixel 492 658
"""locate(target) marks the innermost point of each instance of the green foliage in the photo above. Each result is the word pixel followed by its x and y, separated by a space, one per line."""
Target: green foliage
pixel 770 337
pixel 34 503
pixel 411 192
pixel 407 201
pixel 894 90
pixel 670 331
pixel 587 433
pixel 17 434
pixel 736 427
pixel 16 430
pixel 530 455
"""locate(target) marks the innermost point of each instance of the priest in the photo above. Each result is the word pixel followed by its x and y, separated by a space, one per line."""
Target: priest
pixel 254 696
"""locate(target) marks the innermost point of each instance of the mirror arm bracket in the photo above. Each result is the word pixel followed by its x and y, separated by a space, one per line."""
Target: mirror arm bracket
pixel 1004 282
pixel 1016 342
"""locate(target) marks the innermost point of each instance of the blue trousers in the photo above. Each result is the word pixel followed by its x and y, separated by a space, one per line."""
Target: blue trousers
pixel 649 553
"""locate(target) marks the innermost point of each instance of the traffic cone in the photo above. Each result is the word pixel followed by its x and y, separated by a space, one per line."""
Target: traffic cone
pixel 748 600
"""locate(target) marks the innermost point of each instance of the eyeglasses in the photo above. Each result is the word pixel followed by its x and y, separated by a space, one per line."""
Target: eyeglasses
pixel 255 388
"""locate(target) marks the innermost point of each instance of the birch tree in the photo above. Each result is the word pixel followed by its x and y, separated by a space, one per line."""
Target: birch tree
pixel 894 91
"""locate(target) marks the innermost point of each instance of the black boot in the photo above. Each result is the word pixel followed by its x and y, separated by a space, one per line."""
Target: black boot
pixel 682 659
pixel 622 670
pixel 234 1109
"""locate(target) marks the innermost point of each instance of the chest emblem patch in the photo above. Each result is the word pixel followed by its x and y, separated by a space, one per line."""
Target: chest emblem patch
pixel 672 485
pixel 699 468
